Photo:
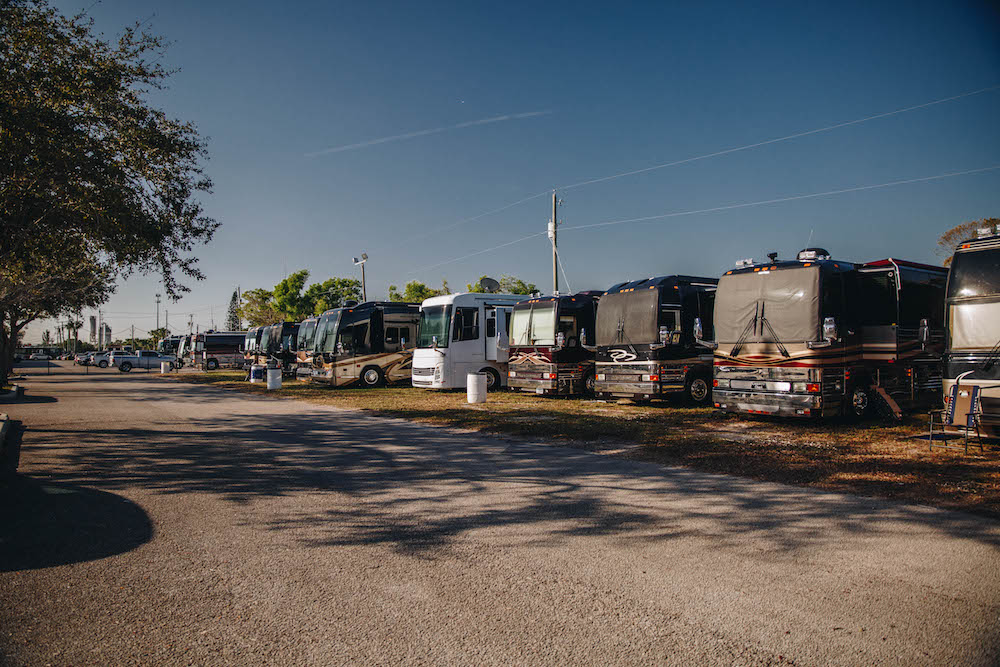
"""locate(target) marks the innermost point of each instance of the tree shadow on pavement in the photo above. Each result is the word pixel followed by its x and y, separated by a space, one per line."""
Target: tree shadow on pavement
pixel 415 487
pixel 48 523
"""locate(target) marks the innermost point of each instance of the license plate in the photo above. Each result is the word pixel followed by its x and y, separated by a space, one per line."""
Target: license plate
pixel 758 386
pixel 539 390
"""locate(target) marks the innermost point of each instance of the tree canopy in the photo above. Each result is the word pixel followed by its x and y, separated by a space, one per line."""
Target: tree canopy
pixel 416 291
pixel 508 285
pixel 288 301
pixel 949 241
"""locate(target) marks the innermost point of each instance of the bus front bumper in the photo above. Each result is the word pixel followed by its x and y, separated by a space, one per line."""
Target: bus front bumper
pixel 768 403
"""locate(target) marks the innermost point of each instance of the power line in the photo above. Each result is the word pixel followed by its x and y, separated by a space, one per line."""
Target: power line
pixel 727 207
pixel 727 151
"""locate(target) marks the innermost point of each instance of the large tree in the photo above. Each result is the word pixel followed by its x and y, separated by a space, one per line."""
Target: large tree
pixel 416 291
pixel 88 166
pixel 289 299
pixel 949 241
pixel 258 308
pixel 508 285
pixel 333 293
pixel 233 322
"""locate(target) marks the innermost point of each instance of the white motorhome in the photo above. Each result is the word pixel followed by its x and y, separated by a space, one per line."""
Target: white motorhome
pixel 461 334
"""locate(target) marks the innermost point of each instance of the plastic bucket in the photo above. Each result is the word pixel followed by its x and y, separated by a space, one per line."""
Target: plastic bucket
pixel 274 378
pixel 164 367
pixel 257 373
pixel 475 384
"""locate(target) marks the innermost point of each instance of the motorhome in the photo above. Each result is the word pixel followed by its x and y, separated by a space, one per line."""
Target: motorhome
pixel 817 337
pixel 169 344
pixel 253 352
pixel 277 346
pixel 370 344
pixel 972 343
pixel 185 355
pixel 552 344
pixel 461 334
pixel 217 349
pixel 305 342
pixel 646 347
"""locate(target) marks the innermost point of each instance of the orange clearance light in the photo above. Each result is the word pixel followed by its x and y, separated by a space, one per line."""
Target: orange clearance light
pixel 812 388
pixel 654 378
pixel 715 383
pixel 553 376
pixel 718 405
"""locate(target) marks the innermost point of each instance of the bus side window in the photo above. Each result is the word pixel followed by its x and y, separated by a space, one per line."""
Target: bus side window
pixel 392 335
pixel 491 327
pixel 466 324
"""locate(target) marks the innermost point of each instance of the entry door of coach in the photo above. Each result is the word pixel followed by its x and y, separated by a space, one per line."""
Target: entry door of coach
pixel 493 316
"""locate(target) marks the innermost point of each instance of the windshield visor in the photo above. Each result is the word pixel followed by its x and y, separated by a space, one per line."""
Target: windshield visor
pixel 787 298
pixel 628 318
pixel 974 326
pixel 434 322
pixel 975 274
pixel 534 324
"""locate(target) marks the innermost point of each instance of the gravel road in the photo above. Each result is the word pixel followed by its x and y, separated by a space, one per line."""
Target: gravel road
pixel 164 523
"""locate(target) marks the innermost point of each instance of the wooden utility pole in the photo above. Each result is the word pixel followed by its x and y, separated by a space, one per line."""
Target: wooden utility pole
pixel 553 224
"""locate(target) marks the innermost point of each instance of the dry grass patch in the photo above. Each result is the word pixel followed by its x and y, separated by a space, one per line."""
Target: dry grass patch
pixel 874 458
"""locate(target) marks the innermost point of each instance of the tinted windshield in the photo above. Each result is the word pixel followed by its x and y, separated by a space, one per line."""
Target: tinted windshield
pixel 307 335
pixel 975 274
pixel 434 323
pixel 628 318
pixel 326 332
pixel 534 324
pixel 788 299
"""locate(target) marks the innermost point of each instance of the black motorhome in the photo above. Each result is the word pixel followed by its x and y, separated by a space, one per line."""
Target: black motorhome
pixel 369 343
pixel 646 347
pixel 278 345
pixel 549 341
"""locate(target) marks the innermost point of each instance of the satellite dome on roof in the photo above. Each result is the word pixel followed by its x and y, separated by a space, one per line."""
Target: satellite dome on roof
pixel 813 254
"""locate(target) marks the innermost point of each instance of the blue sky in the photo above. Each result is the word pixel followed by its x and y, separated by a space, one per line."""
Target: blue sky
pixel 588 90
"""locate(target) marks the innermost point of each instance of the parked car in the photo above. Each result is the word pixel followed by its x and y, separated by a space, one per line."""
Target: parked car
pixel 39 356
pixel 99 359
pixel 82 359
pixel 141 359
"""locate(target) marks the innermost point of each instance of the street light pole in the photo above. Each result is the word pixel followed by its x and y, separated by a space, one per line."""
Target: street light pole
pixel 158 311
pixel 361 262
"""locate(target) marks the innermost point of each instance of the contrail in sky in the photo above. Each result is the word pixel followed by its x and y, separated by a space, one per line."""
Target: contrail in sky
pixel 435 130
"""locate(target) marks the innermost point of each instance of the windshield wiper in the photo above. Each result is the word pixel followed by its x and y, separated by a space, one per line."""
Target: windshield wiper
pixel 774 336
pixel 621 334
pixel 991 357
pixel 750 327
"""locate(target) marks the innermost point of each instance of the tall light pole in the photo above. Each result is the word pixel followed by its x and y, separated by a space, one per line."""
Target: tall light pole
pixel 158 311
pixel 361 262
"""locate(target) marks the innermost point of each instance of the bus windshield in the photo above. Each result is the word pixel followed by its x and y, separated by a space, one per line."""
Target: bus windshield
pixel 326 332
pixel 779 306
pixel 975 274
pixel 307 335
pixel 534 324
pixel 434 326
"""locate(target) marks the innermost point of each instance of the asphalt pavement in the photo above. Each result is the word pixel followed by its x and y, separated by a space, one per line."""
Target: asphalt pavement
pixel 157 522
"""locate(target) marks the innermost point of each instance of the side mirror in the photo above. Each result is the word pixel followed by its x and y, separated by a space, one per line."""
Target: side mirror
pixel 340 348
pixel 924 334
pixel 560 339
pixel 699 331
pixel 664 335
pixel 583 337
pixel 434 342
pixel 830 329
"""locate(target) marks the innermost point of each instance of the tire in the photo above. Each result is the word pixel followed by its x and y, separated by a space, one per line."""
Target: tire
pixel 589 383
pixel 492 379
pixel 698 391
pixel 212 364
pixel 372 377
pixel 125 367
pixel 102 364
pixel 858 402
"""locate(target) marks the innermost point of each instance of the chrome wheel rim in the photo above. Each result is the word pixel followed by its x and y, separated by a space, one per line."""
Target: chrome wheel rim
pixel 699 389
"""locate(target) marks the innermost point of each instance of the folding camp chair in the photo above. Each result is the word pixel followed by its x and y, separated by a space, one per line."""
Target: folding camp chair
pixel 960 416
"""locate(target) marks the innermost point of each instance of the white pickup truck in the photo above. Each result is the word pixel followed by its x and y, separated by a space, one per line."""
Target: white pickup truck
pixel 141 359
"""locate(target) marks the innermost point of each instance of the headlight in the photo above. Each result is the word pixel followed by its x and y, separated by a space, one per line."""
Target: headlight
pixel 512 374
pixel 782 386
pixel 722 384
pixel 600 376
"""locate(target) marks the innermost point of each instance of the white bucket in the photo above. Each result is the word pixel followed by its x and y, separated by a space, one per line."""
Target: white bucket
pixel 257 373
pixel 476 387
pixel 164 367
pixel 274 378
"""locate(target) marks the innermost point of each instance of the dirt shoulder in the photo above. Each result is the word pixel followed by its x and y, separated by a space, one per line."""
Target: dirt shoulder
pixel 875 458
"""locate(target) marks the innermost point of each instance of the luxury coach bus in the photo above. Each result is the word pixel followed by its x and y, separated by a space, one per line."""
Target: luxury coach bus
pixel 549 341
pixel 305 341
pixel 370 344
pixel 815 337
pixel 972 352
pixel 646 347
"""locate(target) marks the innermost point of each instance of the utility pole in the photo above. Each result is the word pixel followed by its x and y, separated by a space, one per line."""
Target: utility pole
pixel 553 224
pixel 166 320
pixel 100 330
pixel 133 338
pixel 158 311
pixel 191 323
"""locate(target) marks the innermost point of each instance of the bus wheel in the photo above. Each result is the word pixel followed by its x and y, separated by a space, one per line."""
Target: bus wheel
pixel 858 402
pixel 589 383
pixel 372 377
pixel 698 390
pixel 492 379
pixel 212 364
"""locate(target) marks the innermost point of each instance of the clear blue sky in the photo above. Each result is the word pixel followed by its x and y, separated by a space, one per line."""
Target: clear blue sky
pixel 622 87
